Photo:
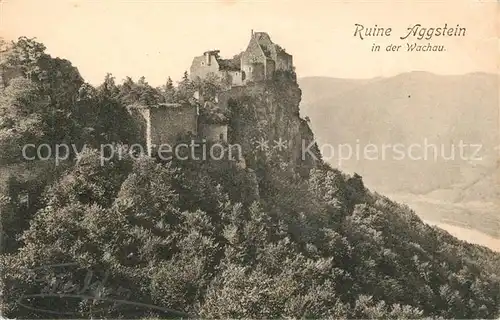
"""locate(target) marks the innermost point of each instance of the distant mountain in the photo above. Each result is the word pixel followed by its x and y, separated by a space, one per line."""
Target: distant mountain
pixel 412 108
pixel 433 112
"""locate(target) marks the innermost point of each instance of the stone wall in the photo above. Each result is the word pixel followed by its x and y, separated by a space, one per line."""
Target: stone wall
pixel 259 61
pixel 266 43
pixel 231 78
pixel 213 132
pixel 284 61
pixel 165 124
pixel 236 78
pixel 201 67
pixel 169 122
pixel 254 72
pixel 253 62
pixel 253 53
pixel 270 68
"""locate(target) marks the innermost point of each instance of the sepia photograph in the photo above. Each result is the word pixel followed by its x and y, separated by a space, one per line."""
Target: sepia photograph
pixel 241 159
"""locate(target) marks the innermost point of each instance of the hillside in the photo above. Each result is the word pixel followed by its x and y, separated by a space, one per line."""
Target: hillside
pixel 125 235
pixel 423 109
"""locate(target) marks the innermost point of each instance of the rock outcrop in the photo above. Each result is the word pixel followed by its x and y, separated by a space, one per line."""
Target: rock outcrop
pixel 265 121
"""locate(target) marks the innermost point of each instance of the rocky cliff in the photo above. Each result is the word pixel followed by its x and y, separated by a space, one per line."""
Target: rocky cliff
pixel 265 121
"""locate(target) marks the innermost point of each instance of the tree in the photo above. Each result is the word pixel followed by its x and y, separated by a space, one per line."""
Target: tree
pixel 109 88
pixel 140 92
pixel 22 110
pixel 208 87
pixel 185 89
pixel 169 91
pixel 56 82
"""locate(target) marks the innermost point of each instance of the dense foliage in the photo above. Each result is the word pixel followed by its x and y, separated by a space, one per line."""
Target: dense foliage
pixel 208 238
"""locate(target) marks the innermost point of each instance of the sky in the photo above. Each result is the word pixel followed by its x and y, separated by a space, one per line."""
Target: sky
pixel 157 39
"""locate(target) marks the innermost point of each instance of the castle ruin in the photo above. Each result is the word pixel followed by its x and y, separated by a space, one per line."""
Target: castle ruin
pixel 165 123
pixel 261 59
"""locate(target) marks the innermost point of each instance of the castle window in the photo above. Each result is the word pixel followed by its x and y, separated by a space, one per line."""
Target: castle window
pixel 202 63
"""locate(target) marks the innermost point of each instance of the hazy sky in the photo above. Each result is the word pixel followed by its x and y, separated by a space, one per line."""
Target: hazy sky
pixel 159 38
